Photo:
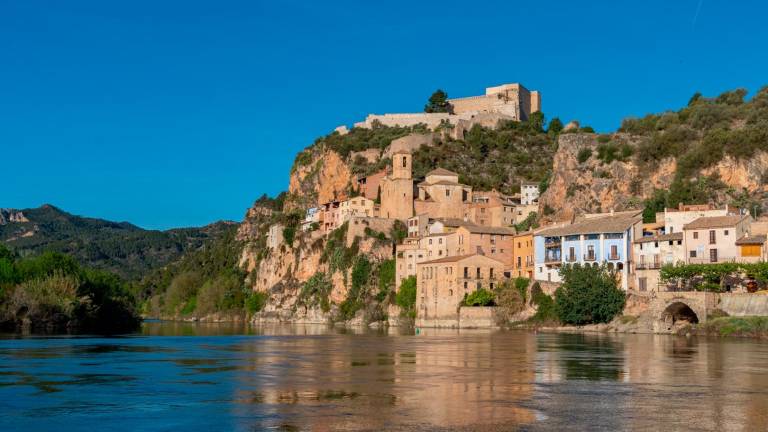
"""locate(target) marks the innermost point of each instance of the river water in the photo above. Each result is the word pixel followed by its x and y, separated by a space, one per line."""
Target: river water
pixel 194 377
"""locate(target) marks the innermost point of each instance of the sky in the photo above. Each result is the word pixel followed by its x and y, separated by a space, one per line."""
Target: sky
pixel 180 113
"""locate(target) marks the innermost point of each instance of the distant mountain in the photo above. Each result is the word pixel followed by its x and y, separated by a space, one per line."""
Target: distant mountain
pixel 119 247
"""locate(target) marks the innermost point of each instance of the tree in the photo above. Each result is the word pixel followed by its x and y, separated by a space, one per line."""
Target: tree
pixel 555 126
pixel 536 121
pixel 438 103
pixel 588 295
pixel 406 297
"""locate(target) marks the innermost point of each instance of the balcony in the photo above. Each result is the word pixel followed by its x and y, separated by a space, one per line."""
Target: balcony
pixel 552 244
pixel 613 257
pixel 553 259
pixel 647 266
pixel 711 260
pixel 570 258
pixel 590 257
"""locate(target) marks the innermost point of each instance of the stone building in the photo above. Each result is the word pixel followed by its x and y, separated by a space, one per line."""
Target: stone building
pixel 522 255
pixel 442 284
pixel 675 218
pixel 491 209
pixel 512 100
pixel 397 188
pixel 358 206
pixel 311 216
pixel 330 216
pixel 713 239
pixel 508 101
pixel 441 195
pixel 494 242
pixel 368 186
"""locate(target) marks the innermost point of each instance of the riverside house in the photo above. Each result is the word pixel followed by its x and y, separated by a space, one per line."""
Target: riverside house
pixel 593 241
pixel 442 284
pixel 652 252
pixel 713 239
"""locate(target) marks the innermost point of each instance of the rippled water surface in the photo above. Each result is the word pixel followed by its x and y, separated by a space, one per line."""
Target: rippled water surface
pixel 190 377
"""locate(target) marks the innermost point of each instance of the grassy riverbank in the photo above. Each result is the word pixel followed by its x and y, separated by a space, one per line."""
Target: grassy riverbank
pixel 748 326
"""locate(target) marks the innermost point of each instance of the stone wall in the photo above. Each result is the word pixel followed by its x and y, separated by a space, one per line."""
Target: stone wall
pixel 744 304
pixel 477 317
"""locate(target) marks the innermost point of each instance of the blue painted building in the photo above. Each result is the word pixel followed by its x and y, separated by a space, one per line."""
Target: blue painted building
pixel 595 240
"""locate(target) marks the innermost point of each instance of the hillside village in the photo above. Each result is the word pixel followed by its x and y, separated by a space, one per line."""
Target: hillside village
pixel 456 240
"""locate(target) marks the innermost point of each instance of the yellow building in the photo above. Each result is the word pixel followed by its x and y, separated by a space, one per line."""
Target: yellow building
pixel 522 255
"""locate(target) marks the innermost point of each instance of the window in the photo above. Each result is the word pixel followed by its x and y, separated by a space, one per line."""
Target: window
pixel 642 283
pixel 713 255
pixel 491 273
pixel 695 234
pixel 466 273
pixel 479 285
pixel 614 252
pixel 692 254
pixel 712 237
pixel 465 286
pixel 450 292
pixel 405 162
pixel 447 192
pixel 478 273
pixel 725 232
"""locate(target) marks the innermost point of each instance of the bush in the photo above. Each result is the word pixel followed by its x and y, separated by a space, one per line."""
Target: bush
pixel 480 297
pixel 510 297
pixel 182 288
pixel 386 279
pixel 256 301
pixel 584 155
pixel 289 233
pixel 588 295
pixel 406 297
pixel 316 290
pixel 545 306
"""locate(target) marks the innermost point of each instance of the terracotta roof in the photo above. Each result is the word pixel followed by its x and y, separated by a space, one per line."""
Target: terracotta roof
pixel 481 229
pixel 595 225
pixel 457 258
pixel 441 172
pixel 715 222
pixel 440 182
pixel 660 237
pixel 453 222
pixel 752 240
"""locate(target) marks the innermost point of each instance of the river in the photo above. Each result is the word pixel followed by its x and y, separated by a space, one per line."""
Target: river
pixel 195 377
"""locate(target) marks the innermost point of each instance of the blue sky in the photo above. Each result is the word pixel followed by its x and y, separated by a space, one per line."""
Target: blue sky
pixel 179 113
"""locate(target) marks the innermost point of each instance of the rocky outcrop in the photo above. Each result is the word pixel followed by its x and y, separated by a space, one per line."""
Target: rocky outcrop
pixel 589 186
pixel 321 177
pixel 10 215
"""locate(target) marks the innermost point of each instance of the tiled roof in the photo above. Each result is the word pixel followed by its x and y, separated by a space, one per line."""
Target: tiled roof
pixel 715 222
pixel 440 182
pixel 752 240
pixel 453 222
pixel 481 229
pixel 441 172
pixel 660 237
pixel 596 225
pixel 457 258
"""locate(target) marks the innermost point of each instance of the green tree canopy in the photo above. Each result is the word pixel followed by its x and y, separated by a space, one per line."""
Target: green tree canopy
pixel 438 103
pixel 588 295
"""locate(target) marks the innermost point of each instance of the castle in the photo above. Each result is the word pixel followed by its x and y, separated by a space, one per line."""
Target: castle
pixel 507 101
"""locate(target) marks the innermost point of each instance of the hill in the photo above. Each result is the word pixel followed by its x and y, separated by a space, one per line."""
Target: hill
pixel 118 247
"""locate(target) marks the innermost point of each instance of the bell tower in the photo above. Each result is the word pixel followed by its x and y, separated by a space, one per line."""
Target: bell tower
pixel 402 168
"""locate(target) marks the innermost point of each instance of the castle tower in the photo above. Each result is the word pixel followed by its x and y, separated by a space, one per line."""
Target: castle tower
pixel 397 188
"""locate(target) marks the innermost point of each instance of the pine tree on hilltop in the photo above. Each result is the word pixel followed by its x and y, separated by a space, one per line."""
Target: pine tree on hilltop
pixel 438 103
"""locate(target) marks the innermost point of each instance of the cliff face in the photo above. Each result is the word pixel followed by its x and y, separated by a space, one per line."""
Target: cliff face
pixel 320 177
pixel 591 185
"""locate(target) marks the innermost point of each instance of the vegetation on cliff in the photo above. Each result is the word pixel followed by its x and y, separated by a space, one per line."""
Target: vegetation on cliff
pixel 698 137
pixel 52 292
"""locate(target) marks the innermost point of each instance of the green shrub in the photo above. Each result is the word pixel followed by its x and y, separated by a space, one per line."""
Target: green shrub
pixel 588 295
pixel 480 297
pixel 256 301
pixel 289 233
pixel 584 155
pixel 316 290
pixel 386 279
pixel 545 306
pixel 406 296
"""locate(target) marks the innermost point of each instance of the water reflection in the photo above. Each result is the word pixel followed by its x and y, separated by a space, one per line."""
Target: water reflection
pixel 235 377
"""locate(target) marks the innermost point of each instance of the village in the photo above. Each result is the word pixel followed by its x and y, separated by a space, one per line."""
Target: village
pixel 461 240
